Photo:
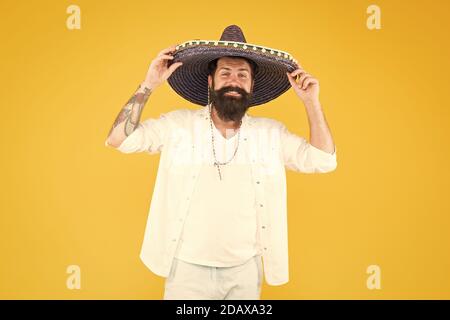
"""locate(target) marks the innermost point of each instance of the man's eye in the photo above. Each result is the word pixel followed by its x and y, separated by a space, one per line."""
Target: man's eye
pixel 243 75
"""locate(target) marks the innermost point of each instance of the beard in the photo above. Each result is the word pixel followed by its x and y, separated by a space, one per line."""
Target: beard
pixel 230 108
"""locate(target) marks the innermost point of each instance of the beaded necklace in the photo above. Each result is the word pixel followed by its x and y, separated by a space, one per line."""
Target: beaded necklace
pixel 217 163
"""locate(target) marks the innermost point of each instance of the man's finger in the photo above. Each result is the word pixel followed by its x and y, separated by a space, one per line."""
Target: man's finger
pixel 309 81
pixel 167 50
pixel 303 77
pixel 165 57
pixel 291 79
pixel 297 71
pixel 175 66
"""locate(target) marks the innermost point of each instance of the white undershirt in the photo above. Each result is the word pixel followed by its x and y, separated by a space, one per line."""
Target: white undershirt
pixel 221 225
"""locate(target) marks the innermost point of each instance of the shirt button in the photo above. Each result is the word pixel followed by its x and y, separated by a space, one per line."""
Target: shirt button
pixel 257 182
pixel 173 240
pixel 263 227
pixel 260 205
pixel 265 248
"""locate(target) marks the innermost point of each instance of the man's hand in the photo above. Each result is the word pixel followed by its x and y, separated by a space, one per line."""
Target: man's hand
pixel 307 87
pixel 158 71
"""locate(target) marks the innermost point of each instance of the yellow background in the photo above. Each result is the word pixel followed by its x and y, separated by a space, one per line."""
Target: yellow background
pixel 67 199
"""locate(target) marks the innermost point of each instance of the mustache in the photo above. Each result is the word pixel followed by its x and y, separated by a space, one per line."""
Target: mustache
pixel 224 90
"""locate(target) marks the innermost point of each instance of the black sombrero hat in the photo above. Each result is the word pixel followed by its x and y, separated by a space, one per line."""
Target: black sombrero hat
pixel 191 80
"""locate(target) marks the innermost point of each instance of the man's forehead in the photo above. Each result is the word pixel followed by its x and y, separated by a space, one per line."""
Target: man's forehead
pixel 233 63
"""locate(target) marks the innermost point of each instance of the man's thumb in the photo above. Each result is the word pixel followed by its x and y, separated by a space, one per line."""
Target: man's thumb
pixel 174 66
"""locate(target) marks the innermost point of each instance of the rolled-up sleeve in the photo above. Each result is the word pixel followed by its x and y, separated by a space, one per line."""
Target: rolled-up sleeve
pixel 301 156
pixel 149 136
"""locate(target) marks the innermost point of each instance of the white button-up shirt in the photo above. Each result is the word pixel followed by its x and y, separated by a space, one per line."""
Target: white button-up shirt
pixel 183 138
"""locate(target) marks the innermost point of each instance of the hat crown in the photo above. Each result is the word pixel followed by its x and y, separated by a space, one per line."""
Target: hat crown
pixel 233 33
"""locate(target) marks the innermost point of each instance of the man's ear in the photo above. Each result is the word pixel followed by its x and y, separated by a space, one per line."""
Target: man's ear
pixel 209 80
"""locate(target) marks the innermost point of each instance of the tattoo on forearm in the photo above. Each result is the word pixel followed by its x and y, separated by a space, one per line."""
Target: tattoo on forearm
pixel 131 112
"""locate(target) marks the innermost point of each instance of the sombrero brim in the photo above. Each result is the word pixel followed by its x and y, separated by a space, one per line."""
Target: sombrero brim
pixel 191 79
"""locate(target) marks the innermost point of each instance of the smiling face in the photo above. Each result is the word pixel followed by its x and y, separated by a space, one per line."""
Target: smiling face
pixel 231 88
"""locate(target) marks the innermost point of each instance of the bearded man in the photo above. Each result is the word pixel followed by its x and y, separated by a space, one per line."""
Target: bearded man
pixel 217 223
